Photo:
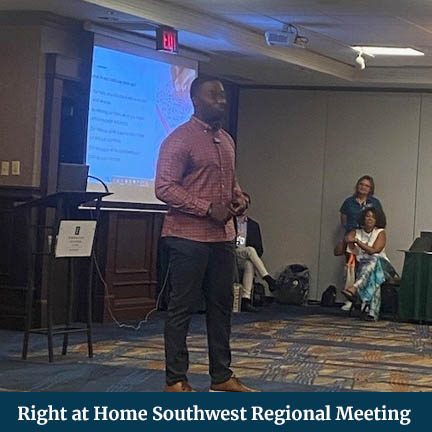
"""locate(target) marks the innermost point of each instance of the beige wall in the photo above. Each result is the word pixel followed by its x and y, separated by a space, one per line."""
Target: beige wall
pixel 278 148
pixel 22 91
pixel 21 102
pixel 300 154
pixel 423 214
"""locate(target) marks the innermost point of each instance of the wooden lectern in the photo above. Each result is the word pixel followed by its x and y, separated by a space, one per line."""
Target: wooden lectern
pixel 63 203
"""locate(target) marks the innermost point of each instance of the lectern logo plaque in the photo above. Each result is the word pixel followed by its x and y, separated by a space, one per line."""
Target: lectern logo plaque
pixel 75 238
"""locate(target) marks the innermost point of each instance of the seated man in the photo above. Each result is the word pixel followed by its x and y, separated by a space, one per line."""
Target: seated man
pixel 249 250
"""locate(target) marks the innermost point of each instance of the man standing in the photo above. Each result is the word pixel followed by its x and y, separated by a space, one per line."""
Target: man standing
pixel 249 251
pixel 196 178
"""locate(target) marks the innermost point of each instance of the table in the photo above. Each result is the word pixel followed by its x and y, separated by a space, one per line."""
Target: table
pixel 415 294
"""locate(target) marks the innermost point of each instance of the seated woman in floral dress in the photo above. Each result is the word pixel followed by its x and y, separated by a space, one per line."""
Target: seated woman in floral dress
pixel 373 266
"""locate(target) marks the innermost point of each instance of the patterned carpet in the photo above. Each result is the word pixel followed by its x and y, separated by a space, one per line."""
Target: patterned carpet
pixel 280 349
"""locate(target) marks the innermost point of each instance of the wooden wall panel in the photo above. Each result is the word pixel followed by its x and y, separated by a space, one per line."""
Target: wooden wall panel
pixel 132 233
pixel 13 265
pixel 6 243
pixel 127 252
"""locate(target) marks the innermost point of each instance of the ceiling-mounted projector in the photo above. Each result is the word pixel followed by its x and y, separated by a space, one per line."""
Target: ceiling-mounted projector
pixel 288 36
pixel 280 38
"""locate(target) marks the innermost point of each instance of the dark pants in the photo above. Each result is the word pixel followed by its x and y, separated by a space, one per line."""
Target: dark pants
pixel 197 268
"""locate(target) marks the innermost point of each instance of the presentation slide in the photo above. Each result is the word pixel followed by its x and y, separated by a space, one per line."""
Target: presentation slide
pixel 135 102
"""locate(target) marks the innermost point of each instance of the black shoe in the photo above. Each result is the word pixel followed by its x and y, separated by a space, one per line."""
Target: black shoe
pixel 272 283
pixel 246 306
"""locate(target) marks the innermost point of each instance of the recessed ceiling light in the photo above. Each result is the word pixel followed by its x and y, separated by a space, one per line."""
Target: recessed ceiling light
pixel 392 51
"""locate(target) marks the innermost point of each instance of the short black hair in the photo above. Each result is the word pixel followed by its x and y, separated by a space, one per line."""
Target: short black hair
pixel 379 215
pixel 247 196
pixel 198 82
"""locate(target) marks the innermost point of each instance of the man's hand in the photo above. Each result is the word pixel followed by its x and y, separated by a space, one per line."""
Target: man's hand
pixel 220 213
pixel 238 204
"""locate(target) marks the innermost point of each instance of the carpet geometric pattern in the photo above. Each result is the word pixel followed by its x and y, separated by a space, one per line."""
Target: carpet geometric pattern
pixel 278 349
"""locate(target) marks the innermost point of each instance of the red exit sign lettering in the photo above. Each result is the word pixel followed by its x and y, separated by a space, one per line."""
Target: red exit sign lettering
pixel 166 39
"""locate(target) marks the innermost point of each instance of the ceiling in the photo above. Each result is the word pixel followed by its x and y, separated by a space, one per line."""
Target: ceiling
pixel 232 32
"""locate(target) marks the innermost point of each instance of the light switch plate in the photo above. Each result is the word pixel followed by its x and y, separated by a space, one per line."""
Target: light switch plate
pixel 16 167
pixel 4 170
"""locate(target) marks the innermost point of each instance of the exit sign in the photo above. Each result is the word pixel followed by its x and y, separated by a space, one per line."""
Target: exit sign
pixel 166 39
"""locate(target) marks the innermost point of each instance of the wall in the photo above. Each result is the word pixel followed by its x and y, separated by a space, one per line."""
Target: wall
pixel 423 214
pixel 21 88
pixel 274 159
pixel 300 154
pixel 25 39
pixel 31 89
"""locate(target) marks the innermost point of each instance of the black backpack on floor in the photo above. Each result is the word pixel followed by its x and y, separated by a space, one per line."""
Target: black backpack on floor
pixel 328 298
pixel 293 285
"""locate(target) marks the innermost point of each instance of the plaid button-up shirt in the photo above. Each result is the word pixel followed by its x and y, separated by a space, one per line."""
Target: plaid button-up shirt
pixel 196 168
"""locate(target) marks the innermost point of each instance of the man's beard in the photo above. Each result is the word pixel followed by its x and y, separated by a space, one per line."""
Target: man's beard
pixel 215 121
